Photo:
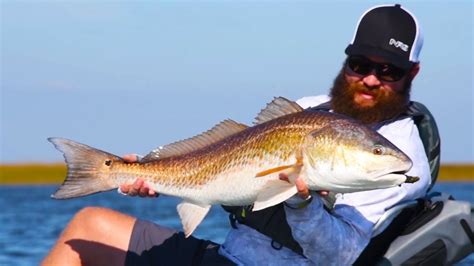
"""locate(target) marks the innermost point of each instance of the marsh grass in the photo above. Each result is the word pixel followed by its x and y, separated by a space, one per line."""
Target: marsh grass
pixel 456 172
pixel 32 173
pixel 13 174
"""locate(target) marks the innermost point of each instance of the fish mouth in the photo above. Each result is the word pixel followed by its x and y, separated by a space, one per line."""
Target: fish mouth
pixel 398 173
pixel 394 173
pixel 409 179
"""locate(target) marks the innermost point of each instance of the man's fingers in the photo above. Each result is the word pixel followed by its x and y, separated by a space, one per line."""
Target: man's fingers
pixel 304 194
pixel 132 191
pixel 302 188
pixel 283 177
pixel 323 193
pixel 300 185
pixel 130 158
pixel 143 192
pixel 137 184
pixel 138 188
pixel 124 188
pixel 135 187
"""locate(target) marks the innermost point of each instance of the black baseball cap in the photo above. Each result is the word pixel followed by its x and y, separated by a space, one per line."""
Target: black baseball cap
pixel 390 32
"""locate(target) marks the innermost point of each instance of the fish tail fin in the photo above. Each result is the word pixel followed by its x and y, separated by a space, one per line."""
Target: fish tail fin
pixel 88 169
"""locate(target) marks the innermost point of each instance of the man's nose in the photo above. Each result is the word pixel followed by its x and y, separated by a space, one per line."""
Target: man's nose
pixel 371 80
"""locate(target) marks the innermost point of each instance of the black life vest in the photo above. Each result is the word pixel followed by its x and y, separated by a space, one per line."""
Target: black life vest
pixel 272 221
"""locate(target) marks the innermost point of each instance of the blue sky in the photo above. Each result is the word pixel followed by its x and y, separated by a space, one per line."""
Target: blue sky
pixel 128 76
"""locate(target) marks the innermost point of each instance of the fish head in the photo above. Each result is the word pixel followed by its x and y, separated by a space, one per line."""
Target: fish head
pixel 345 156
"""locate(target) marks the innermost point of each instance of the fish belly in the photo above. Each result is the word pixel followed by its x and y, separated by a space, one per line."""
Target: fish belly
pixel 231 189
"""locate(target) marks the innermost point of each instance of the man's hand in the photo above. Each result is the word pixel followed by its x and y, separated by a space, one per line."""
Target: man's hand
pixel 301 186
pixel 139 187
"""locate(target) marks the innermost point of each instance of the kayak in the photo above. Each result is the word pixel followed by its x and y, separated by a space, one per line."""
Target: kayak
pixel 440 232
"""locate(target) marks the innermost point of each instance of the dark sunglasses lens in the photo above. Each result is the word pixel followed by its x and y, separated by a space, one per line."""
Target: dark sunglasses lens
pixel 385 72
pixel 390 73
pixel 359 65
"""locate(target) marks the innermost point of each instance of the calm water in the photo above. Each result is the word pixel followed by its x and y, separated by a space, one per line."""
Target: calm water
pixel 31 221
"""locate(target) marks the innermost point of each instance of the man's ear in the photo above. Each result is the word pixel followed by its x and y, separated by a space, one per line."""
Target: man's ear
pixel 414 71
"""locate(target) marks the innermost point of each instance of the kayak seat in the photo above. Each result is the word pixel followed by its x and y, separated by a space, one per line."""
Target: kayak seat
pixel 435 230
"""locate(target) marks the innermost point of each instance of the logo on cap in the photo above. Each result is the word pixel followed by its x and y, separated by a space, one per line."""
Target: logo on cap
pixel 398 44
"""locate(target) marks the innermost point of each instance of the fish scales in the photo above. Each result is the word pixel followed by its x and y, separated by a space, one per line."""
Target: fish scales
pixel 237 165
pixel 250 148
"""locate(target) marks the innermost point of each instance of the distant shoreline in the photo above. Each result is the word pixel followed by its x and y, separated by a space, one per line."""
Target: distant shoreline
pixel 54 173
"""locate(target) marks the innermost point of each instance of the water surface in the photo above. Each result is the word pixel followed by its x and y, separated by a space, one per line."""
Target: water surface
pixel 31 221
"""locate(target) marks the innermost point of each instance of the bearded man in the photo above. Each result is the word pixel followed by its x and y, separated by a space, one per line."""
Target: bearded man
pixel 373 87
pixel 370 100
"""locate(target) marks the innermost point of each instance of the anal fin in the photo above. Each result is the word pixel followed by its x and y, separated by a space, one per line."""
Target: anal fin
pixel 191 215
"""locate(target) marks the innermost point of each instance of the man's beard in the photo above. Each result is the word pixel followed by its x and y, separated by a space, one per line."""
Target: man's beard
pixel 388 105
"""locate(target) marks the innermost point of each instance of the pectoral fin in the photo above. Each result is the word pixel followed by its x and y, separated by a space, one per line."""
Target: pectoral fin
pixel 294 172
pixel 273 170
pixel 191 215
pixel 292 169
pixel 273 193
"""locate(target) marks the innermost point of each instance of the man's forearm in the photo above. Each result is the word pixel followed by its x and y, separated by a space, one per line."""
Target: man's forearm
pixel 326 238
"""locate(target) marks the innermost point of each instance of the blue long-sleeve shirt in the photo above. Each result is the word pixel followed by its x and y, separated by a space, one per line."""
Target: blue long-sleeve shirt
pixel 337 237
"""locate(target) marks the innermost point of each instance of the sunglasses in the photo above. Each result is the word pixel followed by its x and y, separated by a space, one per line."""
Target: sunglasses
pixel 383 71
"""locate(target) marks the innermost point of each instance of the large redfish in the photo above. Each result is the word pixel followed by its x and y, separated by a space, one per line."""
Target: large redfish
pixel 235 165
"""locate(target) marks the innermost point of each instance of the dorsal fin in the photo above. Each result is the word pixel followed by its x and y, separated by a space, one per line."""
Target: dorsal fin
pixel 218 132
pixel 278 107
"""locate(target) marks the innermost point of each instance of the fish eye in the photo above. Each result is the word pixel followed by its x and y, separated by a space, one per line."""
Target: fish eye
pixel 378 150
